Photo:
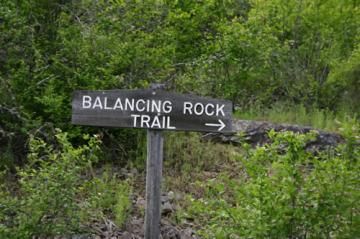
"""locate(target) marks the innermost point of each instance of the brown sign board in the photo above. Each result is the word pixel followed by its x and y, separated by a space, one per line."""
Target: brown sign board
pixel 151 109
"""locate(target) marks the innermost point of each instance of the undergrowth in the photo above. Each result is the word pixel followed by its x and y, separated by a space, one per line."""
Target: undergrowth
pixel 282 191
pixel 188 157
pixel 57 192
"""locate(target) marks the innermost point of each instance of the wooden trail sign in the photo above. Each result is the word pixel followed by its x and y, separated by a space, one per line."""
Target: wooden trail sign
pixel 151 109
pixel 154 110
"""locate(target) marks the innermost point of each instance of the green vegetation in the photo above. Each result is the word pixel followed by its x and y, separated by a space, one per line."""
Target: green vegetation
pixel 298 114
pixel 106 195
pixel 287 61
pixel 50 198
pixel 283 192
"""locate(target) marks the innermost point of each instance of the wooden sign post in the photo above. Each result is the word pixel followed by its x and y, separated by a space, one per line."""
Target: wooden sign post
pixel 153 183
pixel 155 110
pixel 154 163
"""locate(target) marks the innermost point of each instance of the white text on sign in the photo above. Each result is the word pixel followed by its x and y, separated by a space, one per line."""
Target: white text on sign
pixel 141 108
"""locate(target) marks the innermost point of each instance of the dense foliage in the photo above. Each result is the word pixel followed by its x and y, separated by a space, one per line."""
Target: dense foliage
pixel 295 60
pixel 247 51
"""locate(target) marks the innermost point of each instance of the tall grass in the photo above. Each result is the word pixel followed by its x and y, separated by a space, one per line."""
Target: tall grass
pixel 298 114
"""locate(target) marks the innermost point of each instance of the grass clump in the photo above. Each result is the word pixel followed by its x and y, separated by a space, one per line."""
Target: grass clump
pixel 106 197
pixel 187 157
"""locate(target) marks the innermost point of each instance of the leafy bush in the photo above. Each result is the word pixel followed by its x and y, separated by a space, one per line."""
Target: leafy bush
pixel 252 52
pixel 58 192
pixel 48 195
pixel 287 193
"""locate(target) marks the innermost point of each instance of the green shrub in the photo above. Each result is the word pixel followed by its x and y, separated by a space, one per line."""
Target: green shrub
pixel 58 192
pixel 122 204
pixel 45 203
pixel 287 193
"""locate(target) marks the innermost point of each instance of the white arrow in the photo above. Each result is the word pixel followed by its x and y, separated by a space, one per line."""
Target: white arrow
pixel 221 125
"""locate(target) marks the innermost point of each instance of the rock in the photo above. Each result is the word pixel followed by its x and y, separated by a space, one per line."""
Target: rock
pixel 125 235
pixel 80 237
pixel 171 195
pixel 136 226
pixel 255 133
pixel 166 208
pixel 178 196
pixel 140 203
pixel 164 199
pixel 170 232
pixel 106 234
pixel 188 233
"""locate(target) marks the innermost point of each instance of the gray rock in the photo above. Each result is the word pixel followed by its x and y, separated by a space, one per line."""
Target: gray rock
pixel 171 195
pixel 188 233
pixel 166 208
pixel 256 133
pixel 83 236
pixel 126 235
pixel 164 198
pixel 140 203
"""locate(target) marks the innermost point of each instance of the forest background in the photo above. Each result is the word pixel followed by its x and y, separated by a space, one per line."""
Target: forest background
pixel 294 61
